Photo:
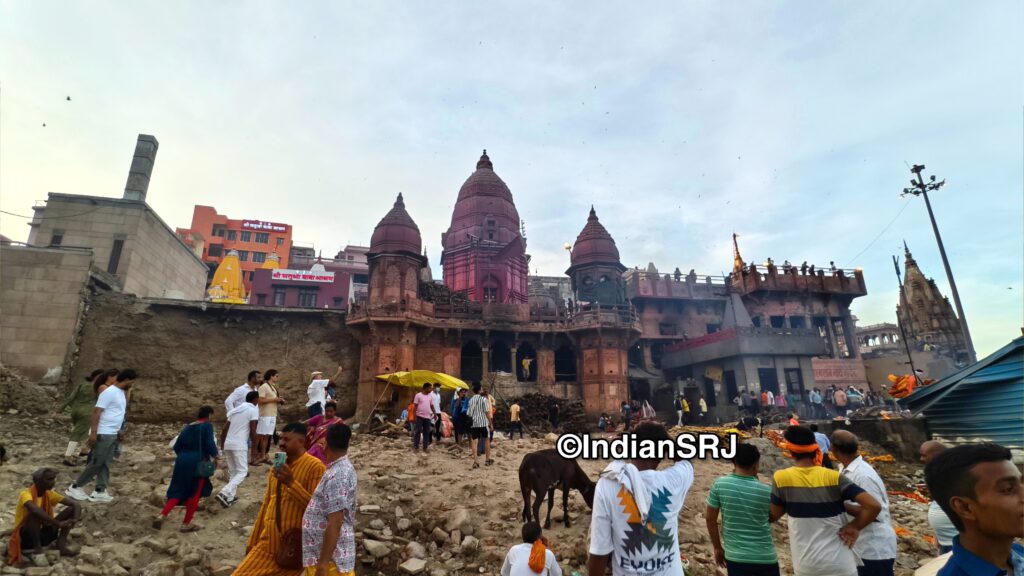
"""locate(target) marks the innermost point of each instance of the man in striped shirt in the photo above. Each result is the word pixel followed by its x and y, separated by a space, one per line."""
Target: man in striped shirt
pixel 743 502
pixel 819 539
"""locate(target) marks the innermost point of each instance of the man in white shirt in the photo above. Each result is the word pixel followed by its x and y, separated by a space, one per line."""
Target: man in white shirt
pixel 237 396
pixel 436 394
pixel 943 527
pixel 517 561
pixel 635 522
pixel 316 392
pixel 876 545
pixel 234 441
pixel 104 434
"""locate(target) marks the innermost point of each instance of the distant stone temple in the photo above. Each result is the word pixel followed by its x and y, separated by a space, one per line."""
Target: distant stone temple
pixel 605 334
pixel 934 338
pixel 926 315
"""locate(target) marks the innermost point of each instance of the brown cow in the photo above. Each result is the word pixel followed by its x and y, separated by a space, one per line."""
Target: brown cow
pixel 542 472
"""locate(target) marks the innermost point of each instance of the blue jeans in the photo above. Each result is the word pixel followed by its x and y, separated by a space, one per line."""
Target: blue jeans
pixel 422 427
pixel 877 567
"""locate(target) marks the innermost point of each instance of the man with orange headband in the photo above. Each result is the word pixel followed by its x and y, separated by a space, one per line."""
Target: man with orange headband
pixel 820 542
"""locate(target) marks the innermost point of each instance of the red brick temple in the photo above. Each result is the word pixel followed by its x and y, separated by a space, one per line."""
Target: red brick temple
pixel 624 334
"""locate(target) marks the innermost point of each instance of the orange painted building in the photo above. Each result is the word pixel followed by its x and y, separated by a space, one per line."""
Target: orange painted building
pixel 213 235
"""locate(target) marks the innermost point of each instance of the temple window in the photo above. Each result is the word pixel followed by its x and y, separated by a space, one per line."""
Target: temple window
pixel 246 236
pixel 279 296
pixel 307 297
pixel 262 237
pixel 243 255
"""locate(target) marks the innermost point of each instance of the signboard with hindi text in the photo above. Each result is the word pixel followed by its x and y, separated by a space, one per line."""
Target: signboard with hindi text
pixel 264 226
pixel 302 276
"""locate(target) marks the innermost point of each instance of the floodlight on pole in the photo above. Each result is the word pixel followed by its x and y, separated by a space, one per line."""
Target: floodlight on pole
pixel 918 187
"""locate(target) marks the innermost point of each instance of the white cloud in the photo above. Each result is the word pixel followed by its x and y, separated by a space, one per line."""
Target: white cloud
pixel 787 123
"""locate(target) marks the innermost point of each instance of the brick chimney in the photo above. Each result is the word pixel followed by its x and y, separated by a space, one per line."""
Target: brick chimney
pixel 142 168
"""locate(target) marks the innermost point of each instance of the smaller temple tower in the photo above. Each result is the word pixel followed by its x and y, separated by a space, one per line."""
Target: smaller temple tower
pixel 395 258
pixel 926 315
pixel 604 316
pixel 595 270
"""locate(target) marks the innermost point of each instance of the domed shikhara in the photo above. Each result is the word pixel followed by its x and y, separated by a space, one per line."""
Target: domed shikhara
pixel 396 233
pixel 484 251
pixel 595 272
pixel 594 245
pixel 484 209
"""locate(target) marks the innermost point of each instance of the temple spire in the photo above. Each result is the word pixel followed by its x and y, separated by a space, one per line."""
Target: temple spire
pixel 737 263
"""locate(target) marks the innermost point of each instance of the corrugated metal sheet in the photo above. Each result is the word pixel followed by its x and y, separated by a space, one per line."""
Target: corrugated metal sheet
pixel 984 401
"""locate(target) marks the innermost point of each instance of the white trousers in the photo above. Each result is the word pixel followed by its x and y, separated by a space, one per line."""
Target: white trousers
pixel 679 413
pixel 238 469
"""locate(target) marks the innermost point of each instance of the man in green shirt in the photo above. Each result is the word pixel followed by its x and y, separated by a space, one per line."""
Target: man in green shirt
pixel 744 504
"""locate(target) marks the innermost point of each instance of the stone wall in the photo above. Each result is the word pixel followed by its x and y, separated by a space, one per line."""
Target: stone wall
pixel 901 437
pixel 40 304
pixel 158 265
pixel 193 353
pixel 153 261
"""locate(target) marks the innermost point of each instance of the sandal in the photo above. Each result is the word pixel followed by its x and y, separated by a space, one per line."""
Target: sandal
pixel 158 522
pixel 476 465
pixel 489 462
pixel 185 528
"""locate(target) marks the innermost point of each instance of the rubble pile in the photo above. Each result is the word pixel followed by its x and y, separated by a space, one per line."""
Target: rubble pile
pixel 430 514
pixel 21 394
pixel 534 414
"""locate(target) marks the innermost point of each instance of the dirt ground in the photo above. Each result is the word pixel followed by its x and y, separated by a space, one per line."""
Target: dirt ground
pixel 435 507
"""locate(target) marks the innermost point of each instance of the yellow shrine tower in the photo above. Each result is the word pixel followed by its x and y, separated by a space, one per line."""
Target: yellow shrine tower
pixel 227 286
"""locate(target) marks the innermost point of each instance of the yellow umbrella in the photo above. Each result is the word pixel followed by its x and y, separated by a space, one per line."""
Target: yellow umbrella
pixel 417 378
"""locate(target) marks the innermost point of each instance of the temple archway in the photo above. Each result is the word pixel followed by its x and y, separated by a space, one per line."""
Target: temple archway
pixel 565 364
pixel 526 363
pixel 471 365
pixel 501 357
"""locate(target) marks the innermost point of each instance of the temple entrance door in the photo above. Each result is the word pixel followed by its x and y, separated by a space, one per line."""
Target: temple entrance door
pixel 526 371
pixel 471 366
pixel 639 390
pixel 769 379
pixel 501 357
pixel 565 364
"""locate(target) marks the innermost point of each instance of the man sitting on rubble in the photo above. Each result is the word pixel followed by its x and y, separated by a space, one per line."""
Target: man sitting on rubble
pixel 532 556
pixel 35 524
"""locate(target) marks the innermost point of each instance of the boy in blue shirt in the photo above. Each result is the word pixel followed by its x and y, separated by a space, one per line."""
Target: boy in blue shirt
pixel 979 488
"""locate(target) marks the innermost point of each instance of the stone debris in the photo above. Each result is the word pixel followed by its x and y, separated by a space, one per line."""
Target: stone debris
pixel 417 514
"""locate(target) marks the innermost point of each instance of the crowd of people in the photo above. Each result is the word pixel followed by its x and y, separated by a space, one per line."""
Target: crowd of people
pixel 828 403
pixel 837 505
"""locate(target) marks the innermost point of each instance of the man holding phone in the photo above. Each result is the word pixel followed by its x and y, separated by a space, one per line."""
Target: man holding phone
pixel 290 486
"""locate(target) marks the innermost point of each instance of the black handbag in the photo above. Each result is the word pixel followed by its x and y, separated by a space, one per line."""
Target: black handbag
pixel 205 468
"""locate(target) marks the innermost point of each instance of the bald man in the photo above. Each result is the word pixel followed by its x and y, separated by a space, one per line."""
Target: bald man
pixel 876 546
pixel 944 529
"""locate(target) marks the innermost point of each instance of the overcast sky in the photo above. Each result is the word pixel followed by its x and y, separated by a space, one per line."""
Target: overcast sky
pixel 788 123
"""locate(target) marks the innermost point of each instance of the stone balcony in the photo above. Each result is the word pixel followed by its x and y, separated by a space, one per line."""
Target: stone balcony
pixel 520 317
pixel 773 279
pixel 745 341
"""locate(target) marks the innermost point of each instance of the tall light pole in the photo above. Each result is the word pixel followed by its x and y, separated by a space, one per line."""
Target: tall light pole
pixel 919 187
